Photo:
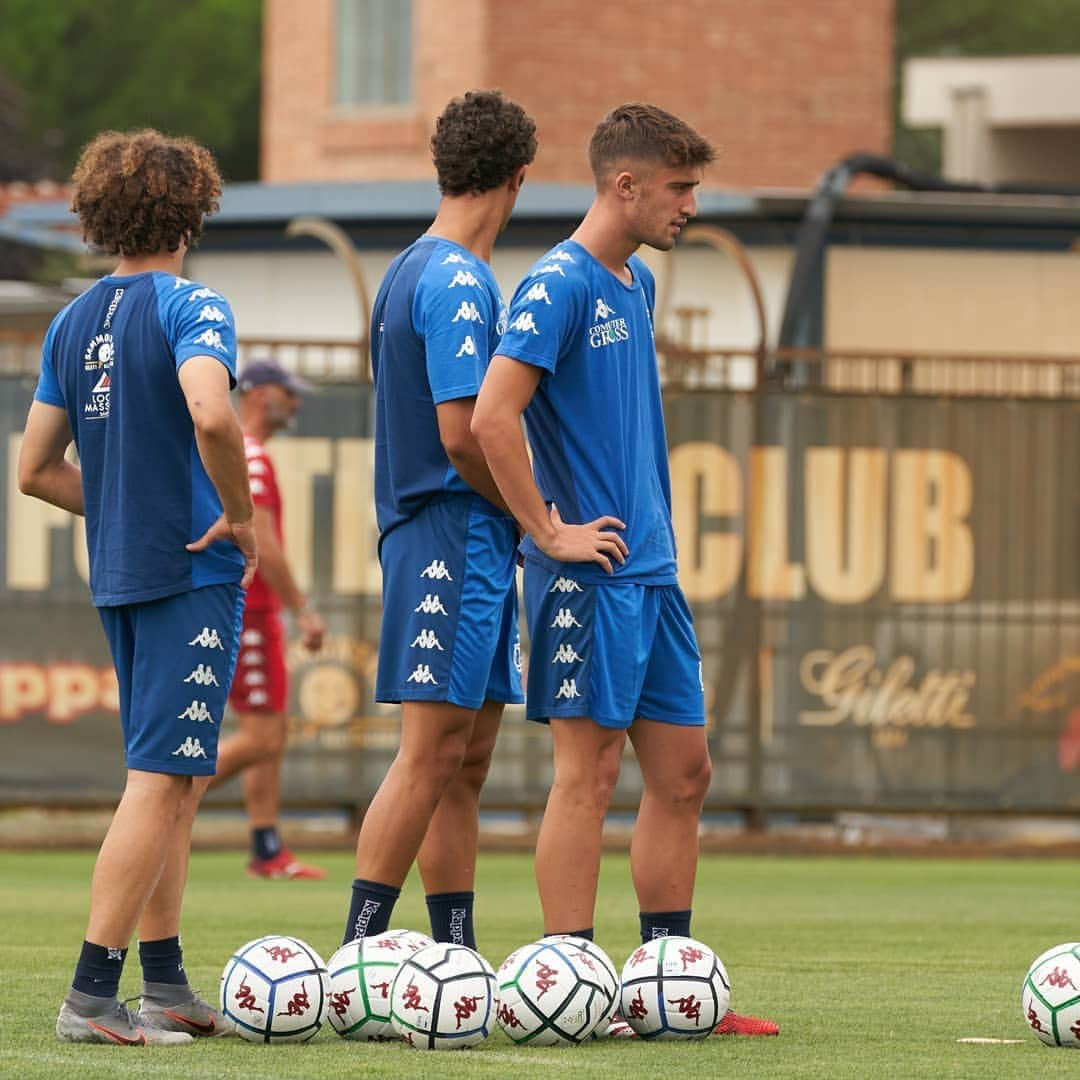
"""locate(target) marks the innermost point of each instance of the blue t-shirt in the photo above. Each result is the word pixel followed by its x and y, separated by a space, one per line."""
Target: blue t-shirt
pixel 110 360
pixel 434 327
pixel 596 422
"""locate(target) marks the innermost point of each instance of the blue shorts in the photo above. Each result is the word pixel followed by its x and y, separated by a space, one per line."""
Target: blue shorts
pixel 449 625
pixel 174 661
pixel 614 653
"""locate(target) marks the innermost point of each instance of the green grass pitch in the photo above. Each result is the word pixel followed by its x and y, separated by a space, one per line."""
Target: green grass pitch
pixel 874 967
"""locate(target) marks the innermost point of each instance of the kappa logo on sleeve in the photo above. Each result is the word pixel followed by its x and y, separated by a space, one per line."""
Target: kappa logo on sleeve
pixel 525 323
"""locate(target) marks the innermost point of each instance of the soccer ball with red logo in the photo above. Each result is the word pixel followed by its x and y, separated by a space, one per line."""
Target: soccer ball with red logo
pixel 1050 997
pixel 361 974
pixel 674 988
pixel 556 991
pixel 275 989
pixel 443 998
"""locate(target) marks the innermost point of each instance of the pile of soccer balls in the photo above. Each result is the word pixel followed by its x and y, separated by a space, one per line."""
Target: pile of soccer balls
pixel 558 991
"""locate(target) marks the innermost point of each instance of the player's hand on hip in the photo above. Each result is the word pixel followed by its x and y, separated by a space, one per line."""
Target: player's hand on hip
pixel 240 533
pixel 591 542
pixel 312 630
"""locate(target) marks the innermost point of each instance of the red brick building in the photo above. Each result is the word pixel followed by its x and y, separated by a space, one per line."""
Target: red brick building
pixel 351 87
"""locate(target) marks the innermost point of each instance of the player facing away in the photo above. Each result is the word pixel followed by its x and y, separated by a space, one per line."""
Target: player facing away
pixel 137 371
pixel 612 647
pixel 448 649
pixel 268 401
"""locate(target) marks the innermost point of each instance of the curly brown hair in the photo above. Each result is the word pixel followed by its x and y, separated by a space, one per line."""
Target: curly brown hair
pixel 143 193
pixel 480 141
pixel 645 133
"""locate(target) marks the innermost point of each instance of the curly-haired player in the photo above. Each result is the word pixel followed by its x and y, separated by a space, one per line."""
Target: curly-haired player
pixel 137 371
pixel 448 649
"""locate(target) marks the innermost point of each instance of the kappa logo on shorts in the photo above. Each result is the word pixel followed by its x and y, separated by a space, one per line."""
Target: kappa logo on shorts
pixel 426 639
pixel 565 584
pixel 197 712
pixel 422 675
pixel 567 690
pixel 436 570
pixel 431 605
pixel 566 654
pixel 203 675
pixel 208 638
pixel 564 620
pixel 190 748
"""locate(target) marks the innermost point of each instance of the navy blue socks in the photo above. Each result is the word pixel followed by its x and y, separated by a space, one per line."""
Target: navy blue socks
pixel 451 915
pixel 98 970
pixel 656 924
pixel 370 910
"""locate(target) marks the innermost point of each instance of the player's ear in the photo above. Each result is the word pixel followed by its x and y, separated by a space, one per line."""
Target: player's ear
pixel 623 184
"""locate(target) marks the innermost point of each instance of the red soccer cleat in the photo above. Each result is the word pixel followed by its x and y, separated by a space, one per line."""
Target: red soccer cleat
pixel 285 865
pixel 734 1024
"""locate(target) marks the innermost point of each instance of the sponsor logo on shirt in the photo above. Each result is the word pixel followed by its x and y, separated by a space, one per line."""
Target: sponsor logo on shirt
pixel 603 309
pixel 608 333
pixel 113 305
pixel 468 311
pixel 99 353
pixel 538 292
pixel 211 339
pixel 96 407
pixel 463 277
pixel 524 322
pixel 468 347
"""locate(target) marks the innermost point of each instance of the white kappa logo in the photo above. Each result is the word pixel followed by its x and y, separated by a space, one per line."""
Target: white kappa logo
pixel 255 678
pixel 538 292
pixel 567 690
pixel 454 257
pixel 211 339
pixel 258 697
pixel 468 347
pixel 203 294
pixel 431 605
pixel 190 748
pixel 468 311
pixel 203 675
pixel 426 639
pixel 251 637
pixel 212 313
pixel 197 712
pixel 564 620
pixel 603 310
pixel 422 674
pixel 436 569
pixel 208 638
pixel 549 268
pixel 463 277
pixel 565 584
pixel 562 256
pixel 565 654
pixel 524 322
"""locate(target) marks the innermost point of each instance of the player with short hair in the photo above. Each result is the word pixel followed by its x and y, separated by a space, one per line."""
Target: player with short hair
pixel 448 649
pixel 268 401
pixel 612 647
pixel 137 370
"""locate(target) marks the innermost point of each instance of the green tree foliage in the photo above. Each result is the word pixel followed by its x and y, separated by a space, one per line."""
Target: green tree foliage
pixel 82 66
pixel 926 28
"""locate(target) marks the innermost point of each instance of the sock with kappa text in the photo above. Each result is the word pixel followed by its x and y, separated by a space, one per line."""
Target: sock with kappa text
pixel 656 924
pixel 370 910
pixel 451 915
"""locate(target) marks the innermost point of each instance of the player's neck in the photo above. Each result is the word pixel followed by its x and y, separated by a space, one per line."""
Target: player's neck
pixel 473 221
pixel 168 262
pixel 600 235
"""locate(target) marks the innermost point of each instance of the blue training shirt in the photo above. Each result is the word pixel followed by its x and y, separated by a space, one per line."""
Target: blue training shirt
pixel 596 422
pixel 436 320
pixel 111 359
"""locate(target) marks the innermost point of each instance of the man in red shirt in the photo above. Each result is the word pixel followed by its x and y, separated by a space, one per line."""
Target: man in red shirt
pixel 269 398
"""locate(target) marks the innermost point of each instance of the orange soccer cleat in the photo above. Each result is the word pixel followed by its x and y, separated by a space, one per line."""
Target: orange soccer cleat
pixel 734 1024
pixel 285 865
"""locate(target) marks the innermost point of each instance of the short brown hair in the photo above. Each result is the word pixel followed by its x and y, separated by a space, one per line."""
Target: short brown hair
pixel 141 192
pixel 645 133
pixel 480 141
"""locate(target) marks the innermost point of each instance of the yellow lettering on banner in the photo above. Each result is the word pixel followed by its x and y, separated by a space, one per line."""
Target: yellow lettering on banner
pixel 23 688
pixel 845 524
pixel 769 574
pixel 933 552
pixel 356 563
pixel 297 462
pixel 709 560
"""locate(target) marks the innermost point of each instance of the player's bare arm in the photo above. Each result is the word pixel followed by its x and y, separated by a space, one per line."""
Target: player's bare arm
pixel 507 389
pixel 43 470
pixel 455 433
pixel 205 383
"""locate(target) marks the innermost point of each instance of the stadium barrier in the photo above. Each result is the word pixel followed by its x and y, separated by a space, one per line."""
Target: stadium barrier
pixel 881 554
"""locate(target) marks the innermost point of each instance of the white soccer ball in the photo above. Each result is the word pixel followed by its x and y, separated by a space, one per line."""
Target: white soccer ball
pixel 361 974
pixel 556 991
pixel 1050 997
pixel 275 989
pixel 674 988
pixel 443 998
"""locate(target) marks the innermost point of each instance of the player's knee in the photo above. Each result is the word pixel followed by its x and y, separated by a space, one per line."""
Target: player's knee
pixel 690 784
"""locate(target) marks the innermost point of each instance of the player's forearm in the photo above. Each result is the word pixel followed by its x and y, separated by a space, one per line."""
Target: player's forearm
pixel 59 483
pixel 221 448
pixel 472 467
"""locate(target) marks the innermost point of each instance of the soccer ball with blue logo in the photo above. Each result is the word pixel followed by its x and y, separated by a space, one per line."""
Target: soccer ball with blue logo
pixel 443 998
pixel 1050 997
pixel 361 975
pixel 275 989
pixel 674 988
pixel 556 991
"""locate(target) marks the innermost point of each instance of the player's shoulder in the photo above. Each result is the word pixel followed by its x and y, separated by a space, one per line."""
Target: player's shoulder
pixel 448 266
pixel 178 291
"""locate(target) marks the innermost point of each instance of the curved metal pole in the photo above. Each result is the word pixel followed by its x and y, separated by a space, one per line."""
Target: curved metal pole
pixel 338 241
